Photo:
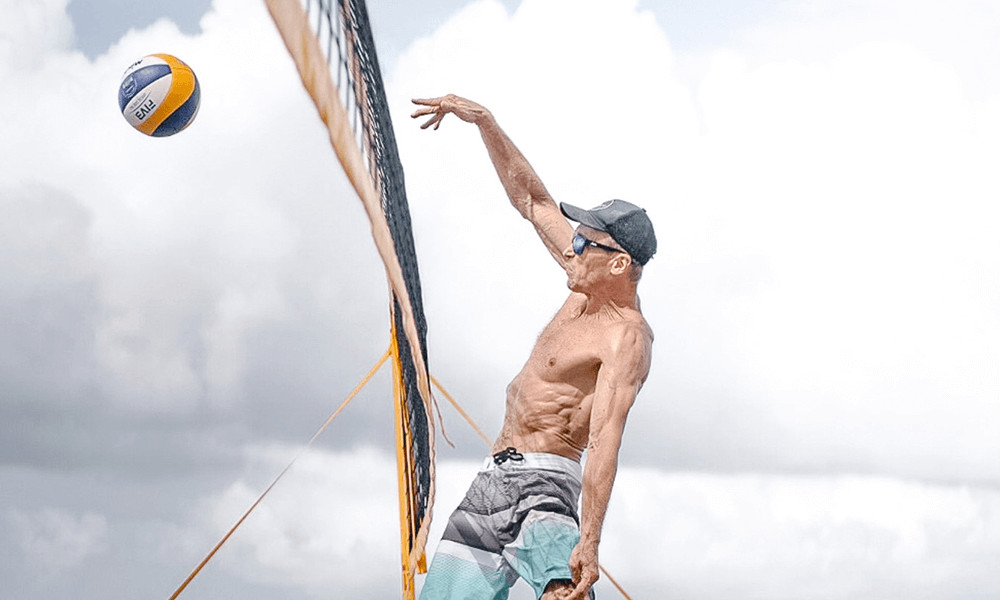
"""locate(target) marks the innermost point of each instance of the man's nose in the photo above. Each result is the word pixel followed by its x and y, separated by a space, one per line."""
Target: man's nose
pixel 568 253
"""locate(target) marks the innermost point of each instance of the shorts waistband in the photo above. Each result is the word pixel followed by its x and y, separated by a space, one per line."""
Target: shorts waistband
pixel 537 460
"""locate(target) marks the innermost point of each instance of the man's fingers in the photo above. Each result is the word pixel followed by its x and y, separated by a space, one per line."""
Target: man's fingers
pixel 564 594
pixel 429 110
pixel 435 107
pixel 583 577
pixel 575 568
pixel 435 121
pixel 579 592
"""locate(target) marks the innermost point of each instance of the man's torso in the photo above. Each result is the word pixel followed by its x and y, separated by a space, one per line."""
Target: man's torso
pixel 549 401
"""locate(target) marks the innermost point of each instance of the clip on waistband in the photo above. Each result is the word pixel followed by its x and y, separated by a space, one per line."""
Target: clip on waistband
pixel 510 453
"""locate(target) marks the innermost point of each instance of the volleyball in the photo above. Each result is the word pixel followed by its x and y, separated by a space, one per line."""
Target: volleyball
pixel 159 95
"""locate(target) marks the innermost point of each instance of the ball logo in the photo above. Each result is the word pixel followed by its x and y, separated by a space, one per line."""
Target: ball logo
pixel 128 86
pixel 144 111
pixel 159 95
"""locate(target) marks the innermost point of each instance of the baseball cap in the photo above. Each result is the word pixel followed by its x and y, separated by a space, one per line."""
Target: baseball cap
pixel 623 221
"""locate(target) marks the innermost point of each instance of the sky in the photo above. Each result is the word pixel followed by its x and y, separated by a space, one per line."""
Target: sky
pixel 178 316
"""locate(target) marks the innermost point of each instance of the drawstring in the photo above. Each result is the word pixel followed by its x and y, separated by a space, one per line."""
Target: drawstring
pixel 510 453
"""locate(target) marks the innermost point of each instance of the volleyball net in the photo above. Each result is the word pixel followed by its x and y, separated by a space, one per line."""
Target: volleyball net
pixel 332 46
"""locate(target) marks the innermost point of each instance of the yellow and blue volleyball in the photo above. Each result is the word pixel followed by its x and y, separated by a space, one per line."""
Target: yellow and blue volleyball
pixel 159 95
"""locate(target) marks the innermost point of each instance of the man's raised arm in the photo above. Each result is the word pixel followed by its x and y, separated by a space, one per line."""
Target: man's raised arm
pixel 524 188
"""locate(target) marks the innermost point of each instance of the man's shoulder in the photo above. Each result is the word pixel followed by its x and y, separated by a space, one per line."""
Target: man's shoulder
pixel 632 330
pixel 627 350
pixel 631 323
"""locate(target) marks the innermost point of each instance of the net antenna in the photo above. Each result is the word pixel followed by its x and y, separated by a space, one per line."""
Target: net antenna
pixel 332 46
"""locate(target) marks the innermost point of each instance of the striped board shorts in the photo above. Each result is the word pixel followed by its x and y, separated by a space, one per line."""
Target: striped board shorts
pixel 518 519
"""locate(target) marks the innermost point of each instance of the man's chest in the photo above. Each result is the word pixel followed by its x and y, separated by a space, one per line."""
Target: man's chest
pixel 568 350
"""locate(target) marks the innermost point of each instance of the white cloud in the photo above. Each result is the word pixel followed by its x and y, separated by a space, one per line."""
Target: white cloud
pixel 29 32
pixel 52 541
pixel 712 536
pixel 330 524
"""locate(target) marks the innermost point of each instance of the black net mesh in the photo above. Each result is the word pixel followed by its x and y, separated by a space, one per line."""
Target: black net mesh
pixel 344 33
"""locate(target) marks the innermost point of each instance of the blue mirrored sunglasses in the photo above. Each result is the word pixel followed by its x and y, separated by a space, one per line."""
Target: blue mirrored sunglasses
pixel 580 243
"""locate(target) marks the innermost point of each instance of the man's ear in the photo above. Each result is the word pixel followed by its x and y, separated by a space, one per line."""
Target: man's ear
pixel 620 263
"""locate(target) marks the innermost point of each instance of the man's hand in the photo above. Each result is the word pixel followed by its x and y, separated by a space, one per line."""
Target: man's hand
pixel 583 565
pixel 523 187
pixel 467 110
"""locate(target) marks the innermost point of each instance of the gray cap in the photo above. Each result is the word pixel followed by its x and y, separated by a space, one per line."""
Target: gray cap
pixel 623 221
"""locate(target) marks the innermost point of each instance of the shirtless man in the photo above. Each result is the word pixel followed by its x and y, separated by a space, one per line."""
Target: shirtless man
pixel 519 517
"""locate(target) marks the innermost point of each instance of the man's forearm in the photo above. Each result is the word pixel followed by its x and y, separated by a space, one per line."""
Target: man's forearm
pixel 598 479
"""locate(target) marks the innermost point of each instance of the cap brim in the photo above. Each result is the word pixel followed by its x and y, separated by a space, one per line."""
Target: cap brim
pixel 581 216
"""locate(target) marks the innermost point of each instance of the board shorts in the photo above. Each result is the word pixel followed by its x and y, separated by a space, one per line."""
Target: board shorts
pixel 518 519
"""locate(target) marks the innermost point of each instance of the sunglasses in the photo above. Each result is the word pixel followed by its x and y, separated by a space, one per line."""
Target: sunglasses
pixel 580 244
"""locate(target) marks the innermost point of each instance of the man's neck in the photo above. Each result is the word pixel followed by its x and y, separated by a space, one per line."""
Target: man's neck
pixel 611 302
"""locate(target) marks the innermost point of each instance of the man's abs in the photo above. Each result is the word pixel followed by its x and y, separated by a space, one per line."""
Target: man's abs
pixel 545 416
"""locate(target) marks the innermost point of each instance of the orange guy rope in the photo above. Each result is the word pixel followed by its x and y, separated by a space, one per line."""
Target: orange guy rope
pixel 613 582
pixel 464 414
pixel 350 397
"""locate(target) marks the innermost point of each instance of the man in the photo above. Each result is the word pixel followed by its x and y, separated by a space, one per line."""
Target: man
pixel 574 393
